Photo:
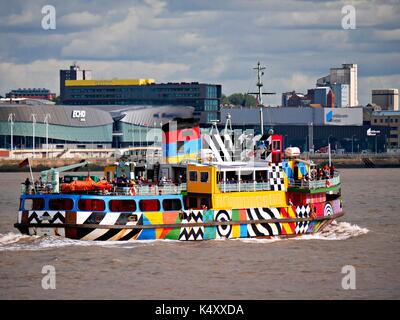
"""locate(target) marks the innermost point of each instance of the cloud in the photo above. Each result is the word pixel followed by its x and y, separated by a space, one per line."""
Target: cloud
pixel 205 41
pixel 45 73
pixel 80 20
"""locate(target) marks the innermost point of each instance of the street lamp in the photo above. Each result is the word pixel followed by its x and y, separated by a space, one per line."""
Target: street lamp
pixel 46 121
pixel 33 116
pixel 11 118
pixel 352 143
pixel 329 138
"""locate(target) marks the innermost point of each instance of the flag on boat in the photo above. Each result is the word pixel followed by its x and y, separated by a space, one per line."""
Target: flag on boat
pixel 24 163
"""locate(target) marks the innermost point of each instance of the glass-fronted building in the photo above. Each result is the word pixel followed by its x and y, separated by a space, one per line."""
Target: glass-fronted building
pixel 205 98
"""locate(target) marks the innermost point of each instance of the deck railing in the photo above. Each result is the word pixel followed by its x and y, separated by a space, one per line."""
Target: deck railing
pixel 243 186
pixel 144 190
pixel 315 184
pixel 147 190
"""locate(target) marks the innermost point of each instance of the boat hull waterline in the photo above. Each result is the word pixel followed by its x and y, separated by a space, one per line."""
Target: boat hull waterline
pixel 181 225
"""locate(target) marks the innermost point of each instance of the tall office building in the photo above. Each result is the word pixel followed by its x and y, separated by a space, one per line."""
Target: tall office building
pixel 387 99
pixel 321 95
pixel 341 92
pixel 347 74
pixel 73 73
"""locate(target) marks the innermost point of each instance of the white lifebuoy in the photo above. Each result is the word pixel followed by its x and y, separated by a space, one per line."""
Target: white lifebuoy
pixel 313 174
pixel 132 191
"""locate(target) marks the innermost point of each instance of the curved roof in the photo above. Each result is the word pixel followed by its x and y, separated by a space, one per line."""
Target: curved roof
pixel 59 115
pixel 153 115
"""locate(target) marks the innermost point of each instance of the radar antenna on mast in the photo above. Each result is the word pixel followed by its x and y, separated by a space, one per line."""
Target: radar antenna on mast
pixel 259 94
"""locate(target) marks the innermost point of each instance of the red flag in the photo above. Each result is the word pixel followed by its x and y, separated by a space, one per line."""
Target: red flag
pixel 24 163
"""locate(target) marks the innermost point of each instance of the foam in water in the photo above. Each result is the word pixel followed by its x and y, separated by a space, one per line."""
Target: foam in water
pixel 334 231
pixel 15 241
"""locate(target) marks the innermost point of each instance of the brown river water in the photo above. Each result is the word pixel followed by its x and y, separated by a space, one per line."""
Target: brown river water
pixel 310 267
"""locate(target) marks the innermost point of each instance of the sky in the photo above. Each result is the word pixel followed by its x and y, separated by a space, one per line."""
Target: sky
pixel 212 41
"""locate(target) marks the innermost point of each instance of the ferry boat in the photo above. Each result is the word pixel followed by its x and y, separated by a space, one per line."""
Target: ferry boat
pixel 205 188
pixel 211 200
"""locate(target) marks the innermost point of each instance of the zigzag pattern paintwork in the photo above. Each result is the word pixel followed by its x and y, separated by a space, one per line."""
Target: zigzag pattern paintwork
pixel 238 230
pixel 192 233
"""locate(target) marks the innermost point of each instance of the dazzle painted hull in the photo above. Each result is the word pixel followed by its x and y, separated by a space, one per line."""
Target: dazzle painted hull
pixel 181 225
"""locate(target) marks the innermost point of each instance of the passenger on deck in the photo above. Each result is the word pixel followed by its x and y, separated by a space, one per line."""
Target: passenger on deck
pixel 320 174
pixel 326 171
pixel 27 184
pixel 332 170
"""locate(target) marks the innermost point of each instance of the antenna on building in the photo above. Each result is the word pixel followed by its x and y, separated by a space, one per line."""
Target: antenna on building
pixel 259 94
pixel 214 126
pixel 228 124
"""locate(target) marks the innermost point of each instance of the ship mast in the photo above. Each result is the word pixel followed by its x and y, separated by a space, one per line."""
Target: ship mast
pixel 259 94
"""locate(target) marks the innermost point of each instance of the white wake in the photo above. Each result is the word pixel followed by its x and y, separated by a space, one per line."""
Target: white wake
pixel 16 241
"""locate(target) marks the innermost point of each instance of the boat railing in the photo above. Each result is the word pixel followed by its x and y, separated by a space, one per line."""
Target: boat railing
pixel 140 190
pixel 243 186
pixel 147 190
pixel 315 184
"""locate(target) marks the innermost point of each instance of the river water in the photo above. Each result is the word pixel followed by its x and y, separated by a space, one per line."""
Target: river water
pixel 309 267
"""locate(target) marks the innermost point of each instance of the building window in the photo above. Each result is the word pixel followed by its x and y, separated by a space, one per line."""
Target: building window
pixel 34 204
pixel 172 205
pixel 123 205
pixel 204 176
pixel 149 205
pixel 61 204
pixel 193 176
pixel 91 205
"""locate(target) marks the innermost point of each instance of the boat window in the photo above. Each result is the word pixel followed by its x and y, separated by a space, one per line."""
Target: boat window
pixel 192 202
pixel 34 204
pixel 91 205
pixel 172 204
pixel 205 202
pixel 193 176
pixel 61 204
pixel 149 205
pixel 204 176
pixel 276 145
pixel 123 205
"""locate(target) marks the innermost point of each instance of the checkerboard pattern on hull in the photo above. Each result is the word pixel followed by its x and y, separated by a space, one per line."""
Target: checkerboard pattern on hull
pixel 276 177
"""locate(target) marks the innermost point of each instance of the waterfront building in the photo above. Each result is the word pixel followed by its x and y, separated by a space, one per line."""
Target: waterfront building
pixel 321 96
pixel 347 74
pixel 31 93
pixel 387 99
pixel 312 128
pixel 205 98
pixel 73 73
pixel 341 92
pixel 62 127
pixel 390 120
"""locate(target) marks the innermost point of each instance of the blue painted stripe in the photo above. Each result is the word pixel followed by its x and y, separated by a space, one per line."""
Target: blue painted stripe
pixel 191 146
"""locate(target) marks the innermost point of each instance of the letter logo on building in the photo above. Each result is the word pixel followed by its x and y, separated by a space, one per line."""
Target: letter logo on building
pixel 329 116
pixel 79 114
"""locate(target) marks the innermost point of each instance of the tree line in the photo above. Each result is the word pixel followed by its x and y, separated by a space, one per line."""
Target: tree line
pixel 239 99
